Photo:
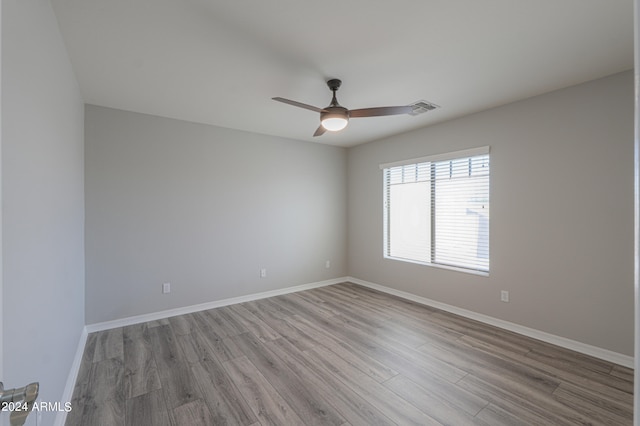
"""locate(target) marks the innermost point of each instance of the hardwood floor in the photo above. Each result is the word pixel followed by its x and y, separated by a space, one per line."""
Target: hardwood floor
pixel 339 355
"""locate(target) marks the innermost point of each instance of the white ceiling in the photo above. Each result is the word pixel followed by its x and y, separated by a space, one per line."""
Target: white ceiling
pixel 221 61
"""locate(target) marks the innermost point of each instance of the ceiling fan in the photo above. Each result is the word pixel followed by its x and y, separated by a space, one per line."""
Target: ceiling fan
pixel 336 117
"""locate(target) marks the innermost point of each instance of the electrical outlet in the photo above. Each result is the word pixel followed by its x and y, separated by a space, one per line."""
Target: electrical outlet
pixel 166 288
pixel 327 264
pixel 263 273
pixel 504 296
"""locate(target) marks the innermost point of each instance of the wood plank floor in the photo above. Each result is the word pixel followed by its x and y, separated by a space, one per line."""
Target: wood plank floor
pixel 339 355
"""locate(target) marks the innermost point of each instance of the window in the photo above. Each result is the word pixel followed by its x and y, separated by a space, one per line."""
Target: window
pixel 436 210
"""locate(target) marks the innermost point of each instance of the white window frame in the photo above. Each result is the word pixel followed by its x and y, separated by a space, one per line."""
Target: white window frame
pixel 485 150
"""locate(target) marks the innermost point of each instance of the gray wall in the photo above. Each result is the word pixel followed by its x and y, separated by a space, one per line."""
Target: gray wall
pixel 561 213
pixel 42 202
pixel 204 208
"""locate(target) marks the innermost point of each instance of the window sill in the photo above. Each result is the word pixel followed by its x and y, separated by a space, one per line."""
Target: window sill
pixel 439 266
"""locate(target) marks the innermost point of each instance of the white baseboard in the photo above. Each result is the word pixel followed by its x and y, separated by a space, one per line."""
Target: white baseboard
pixel 67 394
pixel 594 351
pixel 91 328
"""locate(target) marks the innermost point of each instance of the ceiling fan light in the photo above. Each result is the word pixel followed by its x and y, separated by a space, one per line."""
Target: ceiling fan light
pixel 334 124
pixel 334 118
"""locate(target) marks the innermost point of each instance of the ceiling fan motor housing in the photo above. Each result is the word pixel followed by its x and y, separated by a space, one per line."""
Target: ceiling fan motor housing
pixel 334 117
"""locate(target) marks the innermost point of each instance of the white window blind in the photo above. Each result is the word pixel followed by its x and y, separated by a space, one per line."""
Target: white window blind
pixel 436 210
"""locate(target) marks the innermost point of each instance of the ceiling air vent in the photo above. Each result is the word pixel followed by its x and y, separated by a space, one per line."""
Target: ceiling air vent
pixel 420 107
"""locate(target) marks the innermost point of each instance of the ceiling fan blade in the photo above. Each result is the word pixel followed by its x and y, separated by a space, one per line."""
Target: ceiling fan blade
pixel 380 111
pixel 298 104
pixel 320 131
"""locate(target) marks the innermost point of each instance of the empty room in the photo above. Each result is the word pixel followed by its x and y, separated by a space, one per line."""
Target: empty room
pixel 305 213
